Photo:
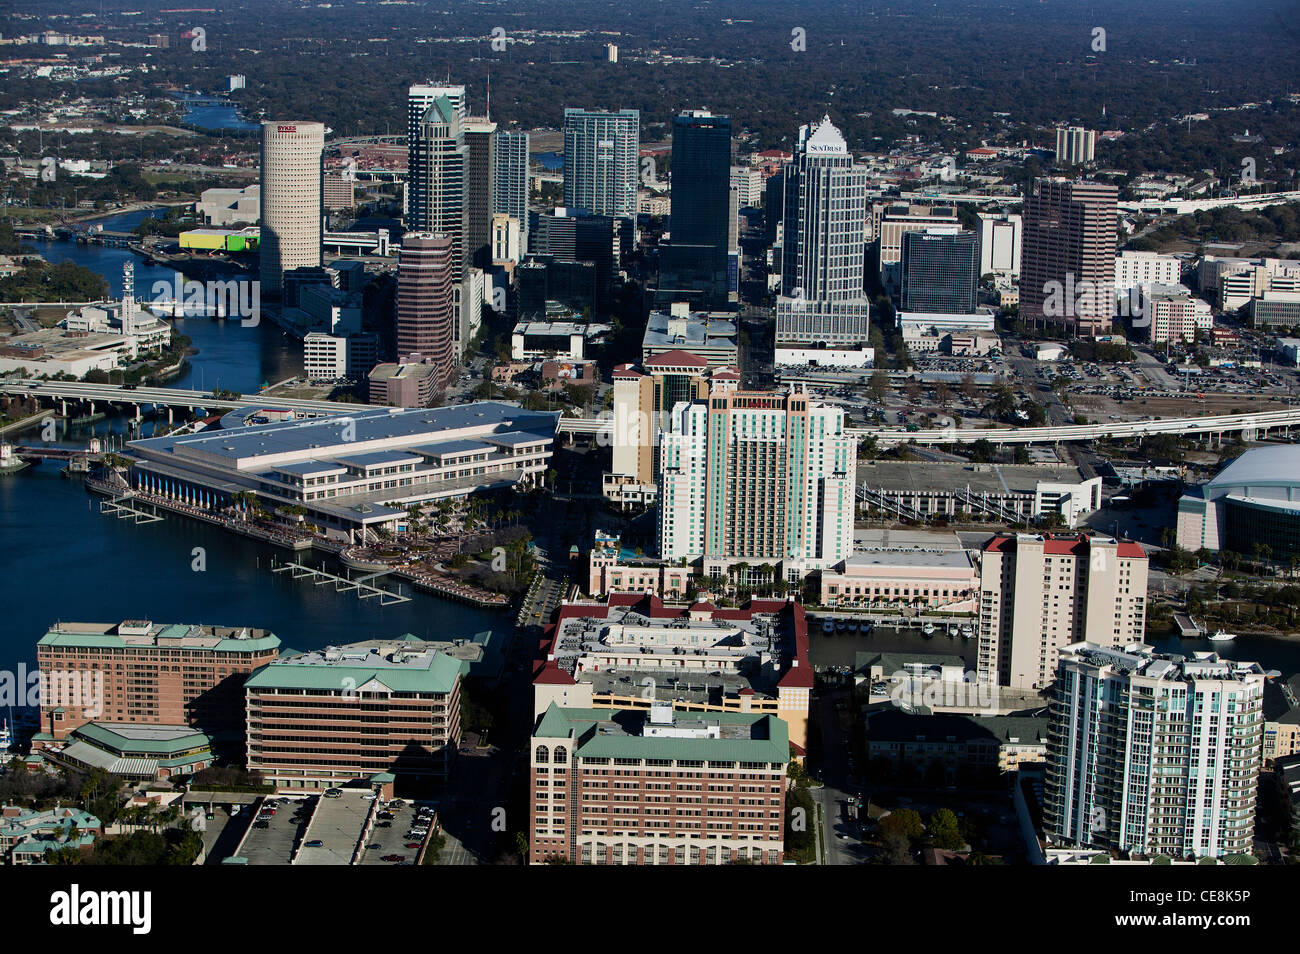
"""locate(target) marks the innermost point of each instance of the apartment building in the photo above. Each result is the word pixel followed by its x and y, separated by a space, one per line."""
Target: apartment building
pixel 320 719
pixel 1153 754
pixel 631 650
pixel 1040 594
pixel 756 476
pixel 617 786
pixel 138 671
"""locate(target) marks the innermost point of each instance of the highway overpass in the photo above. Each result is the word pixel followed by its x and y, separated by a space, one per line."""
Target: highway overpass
pixel 1252 425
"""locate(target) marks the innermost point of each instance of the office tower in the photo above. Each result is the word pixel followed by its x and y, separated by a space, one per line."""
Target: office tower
pixel 1000 238
pixel 573 236
pixel 750 476
pixel 773 207
pixel 291 199
pixel 426 314
pixel 148 673
pixel 601 161
pixel 1039 594
pixel 822 301
pixel 889 222
pixel 693 787
pixel 1067 265
pixel 480 168
pixel 1075 145
pixel 940 272
pixel 321 719
pixel 510 178
pixel 436 173
pixel 693 263
pixel 1153 754
pixel 507 246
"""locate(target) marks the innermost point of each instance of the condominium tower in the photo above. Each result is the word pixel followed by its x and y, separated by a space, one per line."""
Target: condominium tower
pixel 601 157
pixel 1039 594
pixel 1153 754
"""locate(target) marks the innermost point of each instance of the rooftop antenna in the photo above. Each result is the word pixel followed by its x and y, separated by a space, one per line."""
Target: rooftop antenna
pixel 489 96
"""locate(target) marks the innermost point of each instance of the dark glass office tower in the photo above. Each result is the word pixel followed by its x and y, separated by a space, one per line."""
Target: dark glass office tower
pixel 940 272
pixel 693 263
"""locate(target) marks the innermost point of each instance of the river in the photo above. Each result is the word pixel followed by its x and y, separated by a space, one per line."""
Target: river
pixel 62 560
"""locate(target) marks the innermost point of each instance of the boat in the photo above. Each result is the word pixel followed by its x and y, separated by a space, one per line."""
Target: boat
pixel 1219 636
pixel 828 627
pixel 952 632
pixel 928 629
pixel 966 630
pixel 6 740
pixel 840 625
pixel 851 626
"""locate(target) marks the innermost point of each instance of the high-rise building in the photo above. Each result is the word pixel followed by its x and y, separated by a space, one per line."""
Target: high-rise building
pixel 1039 594
pixel 137 671
pixel 426 313
pixel 692 787
pixel 822 302
pixel 510 178
pixel 601 157
pixel 890 221
pixel 693 263
pixel 437 168
pixel 292 222
pixel 1067 266
pixel 940 272
pixel 1075 145
pixel 480 169
pixel 1153 754
pixel 320 719
pixel 1000 238
pixel 750 476
pixel 643 401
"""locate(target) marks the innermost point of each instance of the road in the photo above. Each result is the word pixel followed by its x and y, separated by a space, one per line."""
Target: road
pixel 837 793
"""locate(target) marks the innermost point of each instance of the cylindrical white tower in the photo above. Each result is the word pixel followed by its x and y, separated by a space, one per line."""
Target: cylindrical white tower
pixel 291 199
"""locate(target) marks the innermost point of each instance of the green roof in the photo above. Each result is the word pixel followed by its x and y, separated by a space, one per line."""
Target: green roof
pixel 136 739
pixel 439 676
pixel 598 734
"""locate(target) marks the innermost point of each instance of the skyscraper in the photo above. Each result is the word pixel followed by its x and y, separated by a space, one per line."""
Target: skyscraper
pixel 822 303
pixel 510 178
pixel 480 169
pixel 693 263
pixel 601 156
pixel 940 272
pixel 291 199
pixel 426 313
pixel 756 477
pixel 437 166
pixel 1153 754
pixel 1067 266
